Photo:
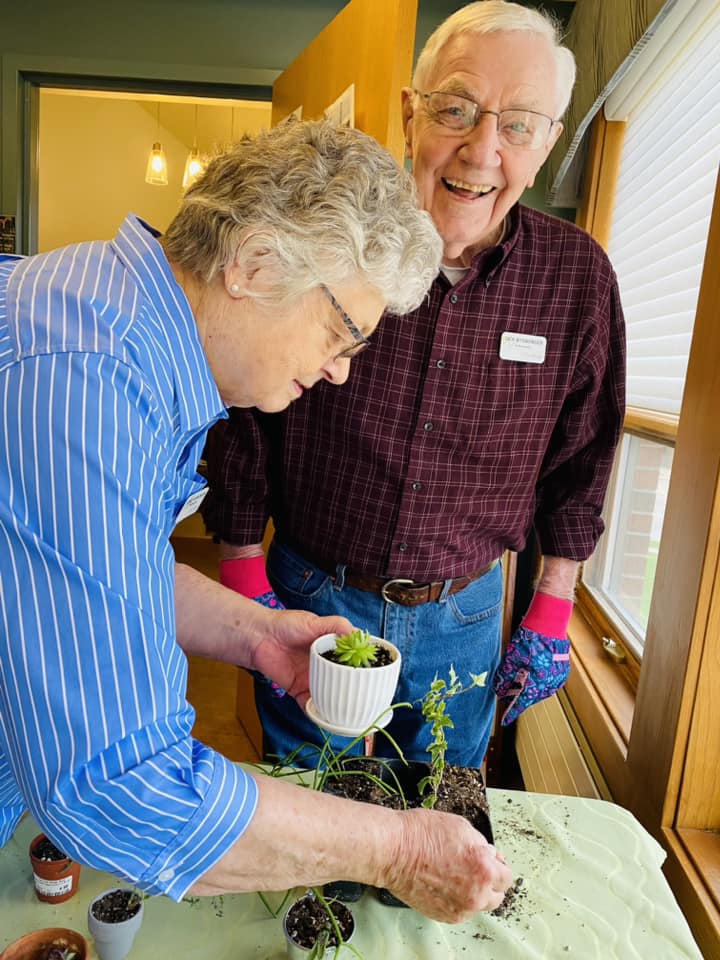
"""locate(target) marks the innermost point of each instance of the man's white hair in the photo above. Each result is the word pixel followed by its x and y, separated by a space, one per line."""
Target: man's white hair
pixel 494 16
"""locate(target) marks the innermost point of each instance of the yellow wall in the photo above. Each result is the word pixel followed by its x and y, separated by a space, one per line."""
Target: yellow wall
pixel 93 154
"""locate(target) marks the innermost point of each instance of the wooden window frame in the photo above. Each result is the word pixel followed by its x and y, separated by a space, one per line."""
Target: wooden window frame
pixel 652 726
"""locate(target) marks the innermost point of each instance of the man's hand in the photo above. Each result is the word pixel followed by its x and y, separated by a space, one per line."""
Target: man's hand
pixel 247 576
pixel 533 668
pixel 537 660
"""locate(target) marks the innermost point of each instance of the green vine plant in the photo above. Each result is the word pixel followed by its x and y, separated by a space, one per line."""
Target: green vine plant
pixel 136 897
pixel 356 649
pixel 434 710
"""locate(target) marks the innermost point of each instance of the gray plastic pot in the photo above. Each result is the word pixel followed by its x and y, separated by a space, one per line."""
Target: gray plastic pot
pixel 297 952
pixel 113 941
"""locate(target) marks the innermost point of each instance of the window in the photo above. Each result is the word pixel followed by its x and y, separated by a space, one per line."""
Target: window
pixel 651 722
pixel 657 241
pixel 621 574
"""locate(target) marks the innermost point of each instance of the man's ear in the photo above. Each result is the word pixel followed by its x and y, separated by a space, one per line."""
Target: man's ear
pixel 407 118
pixel 252 264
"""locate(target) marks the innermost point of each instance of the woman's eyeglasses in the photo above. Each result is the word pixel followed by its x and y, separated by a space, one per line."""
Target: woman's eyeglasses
pixel 361 342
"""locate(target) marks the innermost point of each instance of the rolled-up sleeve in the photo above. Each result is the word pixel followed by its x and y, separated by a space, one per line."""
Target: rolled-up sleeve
pixel 95 729
pixel 577 466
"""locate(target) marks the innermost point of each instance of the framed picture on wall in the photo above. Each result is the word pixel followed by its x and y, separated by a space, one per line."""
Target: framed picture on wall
pixel 342 111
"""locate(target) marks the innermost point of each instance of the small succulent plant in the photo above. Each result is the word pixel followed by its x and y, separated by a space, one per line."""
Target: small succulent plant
pixel 356 649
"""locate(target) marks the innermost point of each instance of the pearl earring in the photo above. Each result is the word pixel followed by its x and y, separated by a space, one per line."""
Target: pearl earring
pixel 234 288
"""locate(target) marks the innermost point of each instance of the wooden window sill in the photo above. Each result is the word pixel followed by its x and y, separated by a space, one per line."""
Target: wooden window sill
pixel 603 699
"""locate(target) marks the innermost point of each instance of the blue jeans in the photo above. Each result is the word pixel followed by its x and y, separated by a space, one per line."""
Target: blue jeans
pixel 462 629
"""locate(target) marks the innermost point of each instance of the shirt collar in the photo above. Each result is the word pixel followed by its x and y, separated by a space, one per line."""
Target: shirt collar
pixel 487 262
pixel 196 395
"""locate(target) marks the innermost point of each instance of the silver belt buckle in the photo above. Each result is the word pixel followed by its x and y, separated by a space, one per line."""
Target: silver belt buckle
pixel 389 583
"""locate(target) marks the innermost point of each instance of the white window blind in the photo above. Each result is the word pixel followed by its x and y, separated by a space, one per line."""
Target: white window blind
pixel 663 204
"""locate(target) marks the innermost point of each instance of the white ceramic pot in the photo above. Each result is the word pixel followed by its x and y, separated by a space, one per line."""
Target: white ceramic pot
pixel 348 700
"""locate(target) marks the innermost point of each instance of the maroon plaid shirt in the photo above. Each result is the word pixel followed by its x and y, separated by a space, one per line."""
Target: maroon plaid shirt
pixel 437 455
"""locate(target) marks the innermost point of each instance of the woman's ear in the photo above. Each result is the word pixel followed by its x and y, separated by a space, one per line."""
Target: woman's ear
pixel 252 264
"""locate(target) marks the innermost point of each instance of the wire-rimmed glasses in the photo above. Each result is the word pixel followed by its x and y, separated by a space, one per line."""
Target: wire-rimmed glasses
pixel 526 129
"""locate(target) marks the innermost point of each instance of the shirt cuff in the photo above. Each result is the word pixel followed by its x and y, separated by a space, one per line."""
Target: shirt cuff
pixel 222 818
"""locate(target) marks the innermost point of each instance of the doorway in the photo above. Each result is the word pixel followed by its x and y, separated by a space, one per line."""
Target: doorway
pixel 87 149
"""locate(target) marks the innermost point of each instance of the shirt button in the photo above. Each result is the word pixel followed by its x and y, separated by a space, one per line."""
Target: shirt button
pixel 417 485
pixel 166 875
pixel 441 364
pixel 428 426
pixel 453 298
pixel 402 547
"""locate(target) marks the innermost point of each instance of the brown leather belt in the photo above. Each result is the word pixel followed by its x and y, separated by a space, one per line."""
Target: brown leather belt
pixel 407 592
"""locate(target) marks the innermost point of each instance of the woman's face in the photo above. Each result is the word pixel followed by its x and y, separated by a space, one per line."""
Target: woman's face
pixel 266 357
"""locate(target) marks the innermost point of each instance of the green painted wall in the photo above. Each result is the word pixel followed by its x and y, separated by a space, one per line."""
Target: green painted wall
pixel 218 34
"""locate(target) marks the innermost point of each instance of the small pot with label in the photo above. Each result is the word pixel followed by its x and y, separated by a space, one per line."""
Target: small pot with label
pixel 55 875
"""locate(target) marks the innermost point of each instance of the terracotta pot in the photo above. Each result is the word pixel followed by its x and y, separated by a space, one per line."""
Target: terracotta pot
pixel 55 880
pixel 33 946
pixel 347 700
pixel 113 941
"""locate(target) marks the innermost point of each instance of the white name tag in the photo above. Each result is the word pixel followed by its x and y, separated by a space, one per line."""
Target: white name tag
pixel 192 504
pixel 523 347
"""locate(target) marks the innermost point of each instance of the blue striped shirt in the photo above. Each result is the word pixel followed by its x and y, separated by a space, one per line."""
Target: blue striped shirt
pixel 105 397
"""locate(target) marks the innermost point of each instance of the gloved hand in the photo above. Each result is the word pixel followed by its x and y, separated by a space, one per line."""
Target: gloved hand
pixel 537 659
pixel 247 576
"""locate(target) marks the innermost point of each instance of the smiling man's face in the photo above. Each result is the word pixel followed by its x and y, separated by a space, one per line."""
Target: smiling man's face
pixel 469 181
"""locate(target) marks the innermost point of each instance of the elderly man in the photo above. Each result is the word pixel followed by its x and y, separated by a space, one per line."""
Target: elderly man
pixel 492 408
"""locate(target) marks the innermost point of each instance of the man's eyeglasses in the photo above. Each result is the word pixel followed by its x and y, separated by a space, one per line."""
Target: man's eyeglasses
pixel 525 129
pixel 361 342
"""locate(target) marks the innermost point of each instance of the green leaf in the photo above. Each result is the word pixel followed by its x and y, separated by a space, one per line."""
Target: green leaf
pixel 356 649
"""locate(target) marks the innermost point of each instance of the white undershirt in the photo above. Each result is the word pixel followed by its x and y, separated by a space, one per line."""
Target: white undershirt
pixel 454 274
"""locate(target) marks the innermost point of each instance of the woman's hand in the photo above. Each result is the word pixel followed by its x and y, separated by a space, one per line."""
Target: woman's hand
pixel 445 869
pixel 435 862
pixel 213 621
pixel 283 649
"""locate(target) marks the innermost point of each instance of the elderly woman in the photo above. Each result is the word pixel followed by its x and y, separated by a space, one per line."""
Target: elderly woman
pixel 115 358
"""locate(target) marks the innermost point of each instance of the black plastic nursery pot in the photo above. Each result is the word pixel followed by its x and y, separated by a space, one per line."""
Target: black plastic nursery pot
pixel 402 780
pixel 468 800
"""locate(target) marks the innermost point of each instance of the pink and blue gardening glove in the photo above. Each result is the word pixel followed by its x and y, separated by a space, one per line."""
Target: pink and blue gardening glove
pixel 247 576
pixel 537 659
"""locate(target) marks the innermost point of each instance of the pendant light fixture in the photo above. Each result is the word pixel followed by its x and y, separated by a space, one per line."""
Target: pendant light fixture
pixel 195 164
pixel 156 172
